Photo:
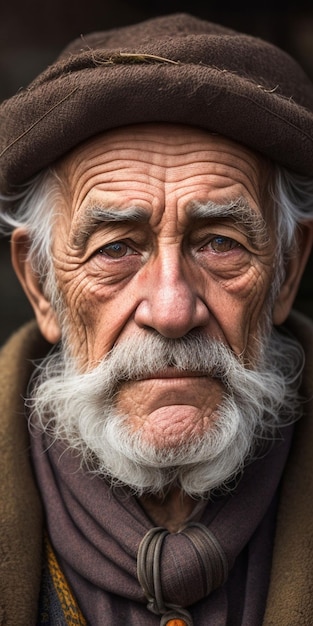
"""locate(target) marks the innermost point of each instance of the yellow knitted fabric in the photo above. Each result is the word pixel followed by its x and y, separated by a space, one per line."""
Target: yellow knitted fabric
pixel 72 613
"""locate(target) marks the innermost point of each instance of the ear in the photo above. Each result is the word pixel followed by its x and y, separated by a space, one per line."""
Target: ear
pixel 294 270
pixel 30 281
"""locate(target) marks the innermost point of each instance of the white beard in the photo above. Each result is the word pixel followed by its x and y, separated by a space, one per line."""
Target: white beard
pixel 79 409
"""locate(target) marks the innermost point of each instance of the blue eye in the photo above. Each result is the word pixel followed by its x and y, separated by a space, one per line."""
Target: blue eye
pixel 115 250
pixel 223 244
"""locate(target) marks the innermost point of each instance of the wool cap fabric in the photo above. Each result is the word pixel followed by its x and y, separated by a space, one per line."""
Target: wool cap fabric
pixel 175 68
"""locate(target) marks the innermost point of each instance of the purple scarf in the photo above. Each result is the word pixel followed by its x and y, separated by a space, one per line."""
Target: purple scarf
pixel 96 533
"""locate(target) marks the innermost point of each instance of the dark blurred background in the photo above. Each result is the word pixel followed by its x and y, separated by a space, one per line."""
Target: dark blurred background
pixel 33 32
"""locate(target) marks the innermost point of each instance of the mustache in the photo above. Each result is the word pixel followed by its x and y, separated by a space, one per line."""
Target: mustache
pixel 137 357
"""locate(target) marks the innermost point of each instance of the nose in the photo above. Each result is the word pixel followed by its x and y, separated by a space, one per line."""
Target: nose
pixel 171 303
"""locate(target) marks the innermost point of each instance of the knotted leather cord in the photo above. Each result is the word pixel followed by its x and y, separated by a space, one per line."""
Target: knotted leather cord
pixel 210 556
pixel 148 568
pixel 213 559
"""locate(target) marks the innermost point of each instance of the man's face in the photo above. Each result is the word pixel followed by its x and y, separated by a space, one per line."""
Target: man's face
pixel 163 232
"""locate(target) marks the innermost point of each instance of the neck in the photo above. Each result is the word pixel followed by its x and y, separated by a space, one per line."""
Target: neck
pixel 170 511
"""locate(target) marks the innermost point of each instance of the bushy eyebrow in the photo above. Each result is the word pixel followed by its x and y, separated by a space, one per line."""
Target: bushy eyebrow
pixel 236 211
pixel 95 216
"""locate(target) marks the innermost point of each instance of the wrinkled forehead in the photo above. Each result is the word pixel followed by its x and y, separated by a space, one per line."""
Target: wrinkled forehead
pixel 163 147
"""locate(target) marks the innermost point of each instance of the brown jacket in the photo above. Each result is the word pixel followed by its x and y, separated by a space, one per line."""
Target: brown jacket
pixel 290 599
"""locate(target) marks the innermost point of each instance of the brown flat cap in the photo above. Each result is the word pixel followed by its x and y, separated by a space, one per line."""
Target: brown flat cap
pixel 175 68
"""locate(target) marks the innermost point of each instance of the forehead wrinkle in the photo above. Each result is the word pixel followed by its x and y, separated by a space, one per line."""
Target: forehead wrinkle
pixel 237 211
pixel 95 216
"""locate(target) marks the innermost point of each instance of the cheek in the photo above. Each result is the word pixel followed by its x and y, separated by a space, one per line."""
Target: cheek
pixel 96 315
pixel 238 306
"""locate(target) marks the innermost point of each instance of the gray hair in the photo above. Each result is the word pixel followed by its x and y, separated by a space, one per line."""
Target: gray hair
pixel 37 203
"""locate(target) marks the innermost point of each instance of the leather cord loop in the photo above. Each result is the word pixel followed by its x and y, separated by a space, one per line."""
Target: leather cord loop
pixel 148 568
pixel 209 560
pixel 212 557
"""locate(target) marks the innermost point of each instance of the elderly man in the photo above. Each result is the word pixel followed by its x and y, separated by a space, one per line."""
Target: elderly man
pixel 156 430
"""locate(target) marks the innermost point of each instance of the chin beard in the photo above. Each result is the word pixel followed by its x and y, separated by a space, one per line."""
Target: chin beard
pixel 79 409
